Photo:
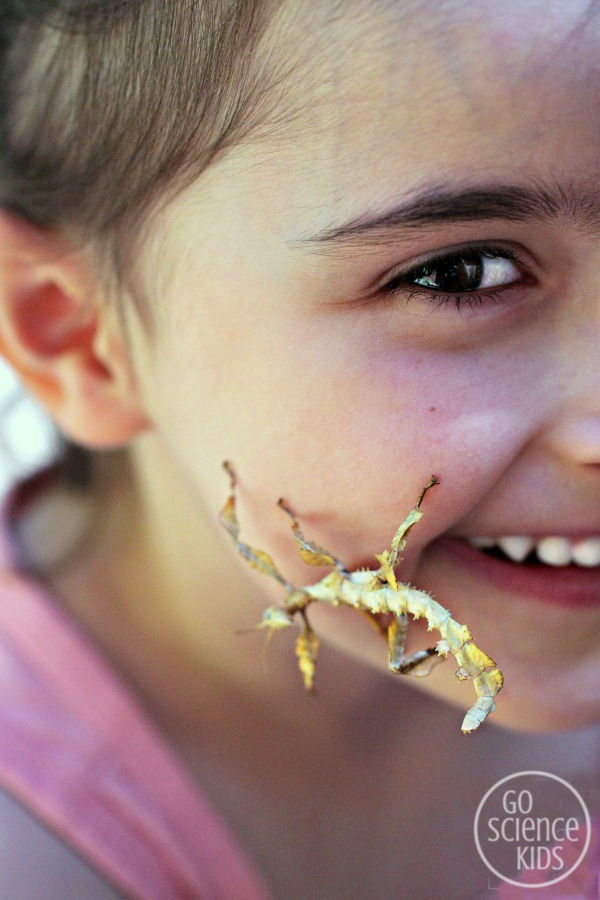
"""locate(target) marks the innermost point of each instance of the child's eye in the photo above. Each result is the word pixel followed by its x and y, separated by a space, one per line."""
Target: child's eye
pixel 475 271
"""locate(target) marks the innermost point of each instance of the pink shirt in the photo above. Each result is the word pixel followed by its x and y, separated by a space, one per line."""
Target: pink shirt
pixel 77 750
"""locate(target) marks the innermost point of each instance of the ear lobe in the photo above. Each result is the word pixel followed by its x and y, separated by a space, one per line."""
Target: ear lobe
pixel 62 340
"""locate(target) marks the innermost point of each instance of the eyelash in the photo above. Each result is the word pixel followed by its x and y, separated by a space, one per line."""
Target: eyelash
pixel 399 284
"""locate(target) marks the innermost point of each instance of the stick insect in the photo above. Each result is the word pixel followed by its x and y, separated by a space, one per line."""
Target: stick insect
pixel 373 592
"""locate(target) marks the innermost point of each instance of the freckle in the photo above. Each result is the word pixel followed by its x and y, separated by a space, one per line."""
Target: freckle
pixel 432 408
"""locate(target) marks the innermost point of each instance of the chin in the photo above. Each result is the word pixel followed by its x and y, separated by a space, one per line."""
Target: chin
pixel 525 711
pixel 521 715
pixel 535 699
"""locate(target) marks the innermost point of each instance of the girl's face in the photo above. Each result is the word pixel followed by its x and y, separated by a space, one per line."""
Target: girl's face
pixel 307 330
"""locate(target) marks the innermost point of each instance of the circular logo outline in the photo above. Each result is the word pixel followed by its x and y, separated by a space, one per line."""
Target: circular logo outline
pixel 588 823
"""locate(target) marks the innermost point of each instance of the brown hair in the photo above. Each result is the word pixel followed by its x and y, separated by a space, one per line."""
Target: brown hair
pixel 109 107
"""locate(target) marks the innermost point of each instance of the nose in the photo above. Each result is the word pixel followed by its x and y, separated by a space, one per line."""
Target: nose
pixel 573 384
pixel 577 438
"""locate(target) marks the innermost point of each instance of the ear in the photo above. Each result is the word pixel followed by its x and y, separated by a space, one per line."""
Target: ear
pixel 63 342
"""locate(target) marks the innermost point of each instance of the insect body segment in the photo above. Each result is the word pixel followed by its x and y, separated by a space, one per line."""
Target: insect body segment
pixel 373 592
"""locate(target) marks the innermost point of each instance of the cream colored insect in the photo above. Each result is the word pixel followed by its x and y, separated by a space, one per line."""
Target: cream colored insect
pixel 373 592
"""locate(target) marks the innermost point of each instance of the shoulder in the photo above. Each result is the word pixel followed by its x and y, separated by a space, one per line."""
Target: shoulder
pixel 36 863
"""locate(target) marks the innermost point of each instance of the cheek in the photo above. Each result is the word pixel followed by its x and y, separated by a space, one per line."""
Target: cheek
pixel 347 432
pixel 330 410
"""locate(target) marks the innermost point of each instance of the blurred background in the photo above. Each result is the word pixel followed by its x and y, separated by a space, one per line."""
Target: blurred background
pixel 28 438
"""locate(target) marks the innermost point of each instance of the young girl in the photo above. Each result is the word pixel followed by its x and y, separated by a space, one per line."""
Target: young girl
pixel 344 246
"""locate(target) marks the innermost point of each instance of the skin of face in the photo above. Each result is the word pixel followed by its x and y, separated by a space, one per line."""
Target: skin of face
pixel 284 358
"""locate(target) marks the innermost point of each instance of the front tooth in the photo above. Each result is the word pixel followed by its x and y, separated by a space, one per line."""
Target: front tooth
pixel 555 551
pixel 516 546
pixel 586 552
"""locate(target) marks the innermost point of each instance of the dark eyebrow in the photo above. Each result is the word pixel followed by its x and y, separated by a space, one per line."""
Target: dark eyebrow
pixel 432 205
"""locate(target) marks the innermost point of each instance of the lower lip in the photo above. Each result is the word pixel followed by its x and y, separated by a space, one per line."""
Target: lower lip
pixel 558 585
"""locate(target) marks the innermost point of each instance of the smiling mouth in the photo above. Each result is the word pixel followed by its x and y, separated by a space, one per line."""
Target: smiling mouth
pixel 532 560
pixel 551 550
pixel 564 584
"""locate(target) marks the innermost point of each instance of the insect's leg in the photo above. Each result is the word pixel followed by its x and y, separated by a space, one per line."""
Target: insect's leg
pixel 258 559
pixel 418 664
pixel 399 539
pixel 310 552
pixel 228 515
pixel 307 651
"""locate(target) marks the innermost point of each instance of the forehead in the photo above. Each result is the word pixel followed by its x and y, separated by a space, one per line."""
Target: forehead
pixel 383 98
pixel 402 85
pixel 356 41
